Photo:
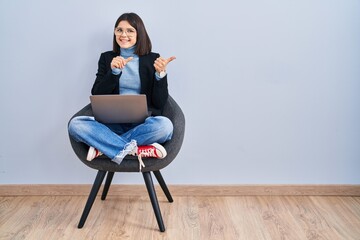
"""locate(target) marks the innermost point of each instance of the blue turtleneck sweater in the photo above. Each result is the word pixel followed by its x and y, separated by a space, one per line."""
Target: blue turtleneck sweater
pixel 130 78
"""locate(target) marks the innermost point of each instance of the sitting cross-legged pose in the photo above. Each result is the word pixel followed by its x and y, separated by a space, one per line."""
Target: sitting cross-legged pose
pixel 130 68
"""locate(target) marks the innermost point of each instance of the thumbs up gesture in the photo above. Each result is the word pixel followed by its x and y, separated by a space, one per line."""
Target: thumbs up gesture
pixel 161 63
pixel 120 62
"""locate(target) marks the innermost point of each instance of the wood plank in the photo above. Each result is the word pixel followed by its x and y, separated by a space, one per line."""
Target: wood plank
pixel 310 220
pixel 184 190
pixel 193 218
pixel 339 214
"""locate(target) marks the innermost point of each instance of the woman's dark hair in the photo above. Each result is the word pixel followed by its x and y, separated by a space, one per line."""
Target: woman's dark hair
pixel 143 43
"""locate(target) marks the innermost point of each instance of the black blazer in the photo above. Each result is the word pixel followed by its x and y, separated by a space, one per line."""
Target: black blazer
pixel 156 91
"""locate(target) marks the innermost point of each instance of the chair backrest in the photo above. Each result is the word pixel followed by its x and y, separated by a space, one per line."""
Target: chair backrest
pixel 171 110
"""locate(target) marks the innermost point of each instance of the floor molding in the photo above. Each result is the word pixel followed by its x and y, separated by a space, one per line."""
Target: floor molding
pixel 183 190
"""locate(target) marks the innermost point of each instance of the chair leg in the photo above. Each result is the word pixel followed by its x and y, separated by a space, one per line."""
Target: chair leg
pixel 162 183
pixel 94 190
pixel 153 198
pixel 109 178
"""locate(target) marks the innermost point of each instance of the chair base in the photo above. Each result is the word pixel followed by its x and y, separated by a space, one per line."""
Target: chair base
pixel 94 191
pixel 149 186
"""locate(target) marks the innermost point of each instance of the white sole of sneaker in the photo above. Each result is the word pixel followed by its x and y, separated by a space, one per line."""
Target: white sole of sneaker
pixel 91 154
pixel 161 152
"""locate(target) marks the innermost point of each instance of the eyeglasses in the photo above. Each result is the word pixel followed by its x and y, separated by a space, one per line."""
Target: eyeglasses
pixel 129 32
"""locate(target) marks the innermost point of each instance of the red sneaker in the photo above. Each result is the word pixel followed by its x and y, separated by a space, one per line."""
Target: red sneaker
pixel 154 150
pixel 93 153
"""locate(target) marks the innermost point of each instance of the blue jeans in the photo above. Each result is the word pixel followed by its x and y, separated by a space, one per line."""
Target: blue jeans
pixel 111 139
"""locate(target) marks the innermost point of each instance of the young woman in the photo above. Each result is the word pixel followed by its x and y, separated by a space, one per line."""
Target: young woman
pixel 130 68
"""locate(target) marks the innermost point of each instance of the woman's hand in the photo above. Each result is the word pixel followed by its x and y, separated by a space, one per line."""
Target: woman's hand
pixel 161 63
pixel 119 62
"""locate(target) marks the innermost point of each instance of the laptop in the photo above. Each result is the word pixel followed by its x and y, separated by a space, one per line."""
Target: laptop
pixel 119 108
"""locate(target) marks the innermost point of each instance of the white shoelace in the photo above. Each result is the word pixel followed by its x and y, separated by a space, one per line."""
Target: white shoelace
pixel 141 163
pixel 131 149
pixel 146 153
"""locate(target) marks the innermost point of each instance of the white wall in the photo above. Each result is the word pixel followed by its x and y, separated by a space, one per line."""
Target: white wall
pixel 270 89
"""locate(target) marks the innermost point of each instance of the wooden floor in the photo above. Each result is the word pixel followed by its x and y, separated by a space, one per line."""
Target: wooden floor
pixel 235 217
